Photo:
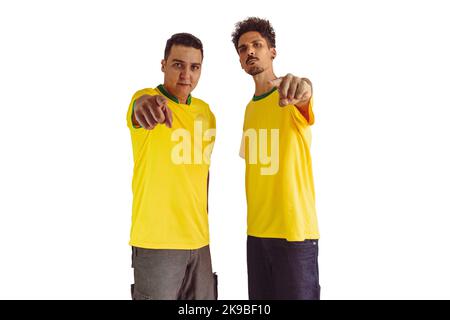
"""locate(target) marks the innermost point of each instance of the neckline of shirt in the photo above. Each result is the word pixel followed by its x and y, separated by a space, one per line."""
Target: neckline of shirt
pixel 262 96
pixel 172 97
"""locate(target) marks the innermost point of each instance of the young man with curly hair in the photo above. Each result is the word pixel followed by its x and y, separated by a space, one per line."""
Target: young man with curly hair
pixel 282 227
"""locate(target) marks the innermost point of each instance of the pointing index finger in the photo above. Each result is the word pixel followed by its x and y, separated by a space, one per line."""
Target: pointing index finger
pixel 161 101
pixel 276 82
pixel 168 116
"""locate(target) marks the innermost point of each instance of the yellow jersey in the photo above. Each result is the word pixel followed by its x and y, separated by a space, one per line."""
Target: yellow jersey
pixel 171 167
pixel 279 178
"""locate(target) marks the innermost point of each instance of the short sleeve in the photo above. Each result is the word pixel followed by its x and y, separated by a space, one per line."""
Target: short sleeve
pixel 298 116
pixel 130 112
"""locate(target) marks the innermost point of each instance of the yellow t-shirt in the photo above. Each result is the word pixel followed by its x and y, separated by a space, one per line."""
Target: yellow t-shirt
pixel 171 168
pixel 279 179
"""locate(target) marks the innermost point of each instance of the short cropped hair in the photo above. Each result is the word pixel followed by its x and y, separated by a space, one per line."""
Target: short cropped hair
pixel 183 39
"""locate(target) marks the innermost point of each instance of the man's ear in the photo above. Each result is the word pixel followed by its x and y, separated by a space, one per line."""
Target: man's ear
pixel 273 52
pixel 163 65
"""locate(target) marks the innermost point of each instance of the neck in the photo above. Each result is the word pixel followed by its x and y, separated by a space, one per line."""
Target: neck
pixel 262 84
pixel 181 99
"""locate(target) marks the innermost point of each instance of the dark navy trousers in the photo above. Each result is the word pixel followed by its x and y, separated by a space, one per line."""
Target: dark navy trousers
pixel 282 270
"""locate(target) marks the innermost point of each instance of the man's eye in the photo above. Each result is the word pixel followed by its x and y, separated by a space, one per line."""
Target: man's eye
pixel 241 50
pixel 178 65
pixel 195 67
pixel 257 44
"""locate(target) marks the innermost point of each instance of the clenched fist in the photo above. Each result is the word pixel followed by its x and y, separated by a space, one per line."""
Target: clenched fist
pixel 149 111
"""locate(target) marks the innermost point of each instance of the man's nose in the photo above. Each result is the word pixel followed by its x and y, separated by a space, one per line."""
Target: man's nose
pixel 250 55
pixel 184 74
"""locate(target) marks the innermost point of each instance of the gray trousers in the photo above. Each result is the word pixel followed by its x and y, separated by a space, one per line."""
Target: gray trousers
pixel 166 274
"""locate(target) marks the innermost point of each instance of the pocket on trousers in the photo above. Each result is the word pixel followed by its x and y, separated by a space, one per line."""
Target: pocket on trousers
pixel 133 255
pixel 216 292
pixel 136 295
pixel 303 244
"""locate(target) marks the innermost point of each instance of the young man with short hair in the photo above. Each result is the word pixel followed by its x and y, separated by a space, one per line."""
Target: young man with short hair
pixel 172 136
pixel 282 243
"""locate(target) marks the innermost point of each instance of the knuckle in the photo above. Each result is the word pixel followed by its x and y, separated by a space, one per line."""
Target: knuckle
pixel 146 112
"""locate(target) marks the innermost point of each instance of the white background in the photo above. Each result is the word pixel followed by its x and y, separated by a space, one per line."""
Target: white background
pixel 380 143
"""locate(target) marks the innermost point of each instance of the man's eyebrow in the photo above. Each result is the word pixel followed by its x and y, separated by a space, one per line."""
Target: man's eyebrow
pixel 184 62
pixel 254 41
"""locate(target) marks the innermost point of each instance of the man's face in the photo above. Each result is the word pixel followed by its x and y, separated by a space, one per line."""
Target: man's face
pixel 254 53
pixel 182 70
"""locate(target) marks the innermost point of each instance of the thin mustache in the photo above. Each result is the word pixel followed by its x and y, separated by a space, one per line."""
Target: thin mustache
pixel 251 58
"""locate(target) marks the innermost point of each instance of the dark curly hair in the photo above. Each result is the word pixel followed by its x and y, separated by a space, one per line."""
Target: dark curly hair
pixel 183 39
pixel 254 24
